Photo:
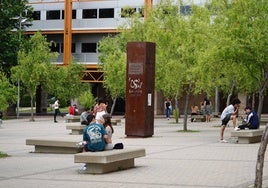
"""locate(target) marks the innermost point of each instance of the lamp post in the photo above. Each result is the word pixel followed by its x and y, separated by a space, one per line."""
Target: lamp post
pixel 21 20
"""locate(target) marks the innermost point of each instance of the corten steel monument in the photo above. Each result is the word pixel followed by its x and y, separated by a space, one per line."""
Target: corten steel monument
pixel 140 89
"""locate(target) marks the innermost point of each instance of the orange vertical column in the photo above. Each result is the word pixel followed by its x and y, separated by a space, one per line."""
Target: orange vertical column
pixel 148 4
pixel 67 32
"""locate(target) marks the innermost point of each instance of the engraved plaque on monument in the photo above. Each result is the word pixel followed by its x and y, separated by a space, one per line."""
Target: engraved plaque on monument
pixel 140 89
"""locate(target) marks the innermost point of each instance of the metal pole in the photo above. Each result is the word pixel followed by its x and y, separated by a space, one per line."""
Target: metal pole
pixel 18 100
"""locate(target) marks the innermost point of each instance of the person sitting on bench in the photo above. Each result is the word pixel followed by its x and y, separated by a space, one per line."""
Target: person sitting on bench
pixel 251 121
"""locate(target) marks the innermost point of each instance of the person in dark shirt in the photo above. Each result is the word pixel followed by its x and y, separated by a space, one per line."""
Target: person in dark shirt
pixel 251 121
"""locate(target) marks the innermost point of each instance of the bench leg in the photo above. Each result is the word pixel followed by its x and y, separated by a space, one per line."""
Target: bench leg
pixel 97 168
pixel 248 140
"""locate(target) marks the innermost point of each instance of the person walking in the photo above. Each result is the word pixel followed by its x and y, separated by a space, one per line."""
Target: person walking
pixel 168 108
pixel 56 110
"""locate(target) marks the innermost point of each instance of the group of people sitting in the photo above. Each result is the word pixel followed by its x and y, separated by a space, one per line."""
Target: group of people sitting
pixel 97 135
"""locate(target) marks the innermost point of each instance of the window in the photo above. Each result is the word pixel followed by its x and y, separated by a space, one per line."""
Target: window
pixel 89 47
pixel 73 48
pixel 53 15
pixel 185 10
pixel 127 12
pixel 106 13
pixel 73 14
pixel 36 15
pixel 141 11
pixel 55 47
pixel 89 13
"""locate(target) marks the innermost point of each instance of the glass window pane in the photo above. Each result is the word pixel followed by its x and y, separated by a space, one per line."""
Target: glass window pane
pixel 106 13
pixel 53 15
pixel 89 13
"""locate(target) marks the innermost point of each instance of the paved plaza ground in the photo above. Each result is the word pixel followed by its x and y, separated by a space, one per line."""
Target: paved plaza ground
pixel 173 159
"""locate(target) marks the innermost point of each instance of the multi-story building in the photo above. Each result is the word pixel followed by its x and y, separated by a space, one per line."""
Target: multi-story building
pixel 76 26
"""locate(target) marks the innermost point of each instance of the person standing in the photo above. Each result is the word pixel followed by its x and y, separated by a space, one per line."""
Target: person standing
pixel 56 110
pixel 167 108
pixel 207 105
pixel 229 113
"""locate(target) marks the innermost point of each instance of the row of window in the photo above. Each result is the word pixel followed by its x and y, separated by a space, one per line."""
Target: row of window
pixel 99 13
pixel 85 48
pixel 87 13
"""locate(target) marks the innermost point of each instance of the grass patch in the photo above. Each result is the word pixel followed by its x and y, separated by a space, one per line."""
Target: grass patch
pixel 3 155
pixel 188 131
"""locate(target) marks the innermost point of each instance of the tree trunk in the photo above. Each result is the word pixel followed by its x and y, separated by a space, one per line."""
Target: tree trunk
pixel 112 108
pixel 230 94
pixel 185 117
pixel 261 98
pixel 260 159
pixel 176 109
pixel 32 116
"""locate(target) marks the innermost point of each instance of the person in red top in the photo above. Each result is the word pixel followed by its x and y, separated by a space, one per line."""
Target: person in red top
pixel 71 110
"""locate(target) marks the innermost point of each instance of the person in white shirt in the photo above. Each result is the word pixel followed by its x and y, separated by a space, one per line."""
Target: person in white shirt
pixel 56 110
pixel 229 113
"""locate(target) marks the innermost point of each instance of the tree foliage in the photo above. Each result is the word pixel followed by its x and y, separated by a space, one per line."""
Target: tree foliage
pixel 65 81
pixel 10 13
pixel 34 65
pixel 87 100
pixel 7 92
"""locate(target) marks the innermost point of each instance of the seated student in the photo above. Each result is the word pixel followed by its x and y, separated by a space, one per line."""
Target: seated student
pixel 251 121
pixel 106 121
pixel 76 110
pixel 83 117
pixel 71 110
pixel 94 136
pixel 195 111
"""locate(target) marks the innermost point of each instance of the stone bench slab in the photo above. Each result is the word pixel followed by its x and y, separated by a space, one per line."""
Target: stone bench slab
pixel 54 146
pixel 71 118
pixel 109 161
pixel 248 136
pixel 199 117
pixel 76 129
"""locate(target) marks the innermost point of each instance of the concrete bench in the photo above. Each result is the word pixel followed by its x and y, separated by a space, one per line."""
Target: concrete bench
pixel 71 118
pixel 248 136
pixel 54 146
pixel 116 122
pixel 263 121
pixel 110 160
pixel 198 117
pixel 75 128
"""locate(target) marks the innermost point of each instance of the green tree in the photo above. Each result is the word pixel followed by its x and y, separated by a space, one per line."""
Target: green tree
pixel 65 81
pixel 87 100
pixel 7 92
pixel 34 66
pixel 244 24
pixel 10 13
pixel 179 39
pixel 113 63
